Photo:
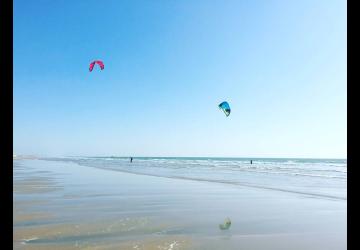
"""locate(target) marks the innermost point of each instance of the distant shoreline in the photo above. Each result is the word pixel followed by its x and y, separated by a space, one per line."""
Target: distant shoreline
pixel 199 157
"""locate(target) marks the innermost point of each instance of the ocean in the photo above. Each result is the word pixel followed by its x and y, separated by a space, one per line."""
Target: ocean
pixel 318 178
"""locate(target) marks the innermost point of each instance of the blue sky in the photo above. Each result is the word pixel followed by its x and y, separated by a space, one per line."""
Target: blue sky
pixel 280 64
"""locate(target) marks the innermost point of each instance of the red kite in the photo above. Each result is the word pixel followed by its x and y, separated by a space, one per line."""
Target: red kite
pixel 101 64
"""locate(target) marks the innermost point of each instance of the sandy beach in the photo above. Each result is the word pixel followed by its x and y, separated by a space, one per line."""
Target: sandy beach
pixel 61 205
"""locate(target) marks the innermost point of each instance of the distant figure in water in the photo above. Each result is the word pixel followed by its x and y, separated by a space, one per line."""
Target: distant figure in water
pixel 250 161
pixel 131 159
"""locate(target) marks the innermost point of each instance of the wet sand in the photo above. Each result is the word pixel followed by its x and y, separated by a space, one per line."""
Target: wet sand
pixel 61 205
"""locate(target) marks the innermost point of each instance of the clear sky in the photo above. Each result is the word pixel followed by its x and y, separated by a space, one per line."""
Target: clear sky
pixel 280 64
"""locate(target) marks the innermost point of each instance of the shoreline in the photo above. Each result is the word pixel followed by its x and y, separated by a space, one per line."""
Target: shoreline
pixel 69 206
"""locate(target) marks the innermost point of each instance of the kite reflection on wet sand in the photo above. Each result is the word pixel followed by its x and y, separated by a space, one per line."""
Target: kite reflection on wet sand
pixel 226 225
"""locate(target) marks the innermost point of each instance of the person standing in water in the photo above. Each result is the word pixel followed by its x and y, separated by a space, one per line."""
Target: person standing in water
pixel 131 159
pixel 250 161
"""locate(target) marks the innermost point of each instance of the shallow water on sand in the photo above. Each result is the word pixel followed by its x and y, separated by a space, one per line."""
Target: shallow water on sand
pixel 62 205
pixel 316 177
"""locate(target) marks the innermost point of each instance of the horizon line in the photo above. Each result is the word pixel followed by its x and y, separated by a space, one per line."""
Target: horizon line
pixel 229 157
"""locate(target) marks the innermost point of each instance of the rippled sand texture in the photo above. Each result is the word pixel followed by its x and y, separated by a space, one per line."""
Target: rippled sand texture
pixel 66 206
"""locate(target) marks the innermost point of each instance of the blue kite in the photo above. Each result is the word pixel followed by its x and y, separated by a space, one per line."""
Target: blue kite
pixel 225 107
